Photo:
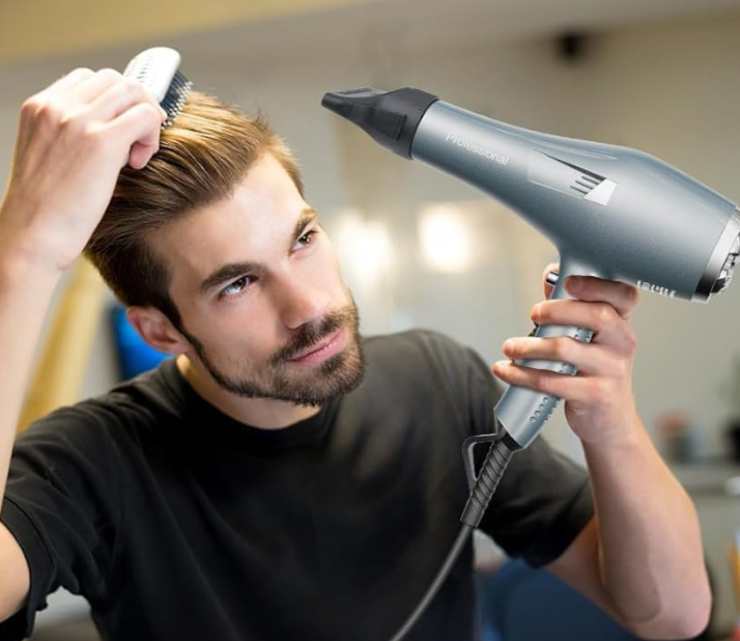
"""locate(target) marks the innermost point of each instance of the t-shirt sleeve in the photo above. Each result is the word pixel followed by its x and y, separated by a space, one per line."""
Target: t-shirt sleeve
pixel 61 505
pixel 544 498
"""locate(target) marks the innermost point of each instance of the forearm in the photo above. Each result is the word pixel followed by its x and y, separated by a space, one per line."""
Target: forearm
pixel 26 287
pixel 74 137
pixel 650 548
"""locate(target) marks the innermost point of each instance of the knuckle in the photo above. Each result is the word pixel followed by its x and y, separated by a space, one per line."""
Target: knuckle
pixel 542 311
pixel 600 390
pixel 562 348
pixel 131 85
pixel 633 295
pixel 82 72
pixel 71 123
pixel 606 315
pixel 94 139
pixel 30 106
pixel 134 88
pixel 50 113
pixel 108 74
pixel 512 349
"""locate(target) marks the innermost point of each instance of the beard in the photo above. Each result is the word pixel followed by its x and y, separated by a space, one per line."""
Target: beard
pixel 281 380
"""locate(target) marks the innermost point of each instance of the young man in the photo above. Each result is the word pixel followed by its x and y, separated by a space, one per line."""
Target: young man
pixel 284 478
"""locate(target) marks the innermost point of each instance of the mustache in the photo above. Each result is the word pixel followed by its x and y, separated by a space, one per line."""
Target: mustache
pixel 311 334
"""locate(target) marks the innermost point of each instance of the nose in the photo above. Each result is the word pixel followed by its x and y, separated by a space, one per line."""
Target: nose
pixel 301 303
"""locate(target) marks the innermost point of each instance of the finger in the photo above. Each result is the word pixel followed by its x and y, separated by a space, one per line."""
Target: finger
pixel 140 155
pixel 138 129
pixel 564 386
pixel 121 96
pixel 608 326
pixel 587 358
pixel 69 80
pixel 622 296
pixel 90 88
pixel 551 267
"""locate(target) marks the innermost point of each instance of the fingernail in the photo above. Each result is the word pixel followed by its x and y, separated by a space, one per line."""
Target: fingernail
pixel 508 344
pixel 572 284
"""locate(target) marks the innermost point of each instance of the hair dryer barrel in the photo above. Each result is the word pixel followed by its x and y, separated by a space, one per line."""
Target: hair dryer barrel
pixel 626 214
pixel 620 212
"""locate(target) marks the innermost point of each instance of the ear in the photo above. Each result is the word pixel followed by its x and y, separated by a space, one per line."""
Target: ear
pixel 157 330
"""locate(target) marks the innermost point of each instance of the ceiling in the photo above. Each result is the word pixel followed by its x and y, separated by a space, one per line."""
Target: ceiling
pixel 38 29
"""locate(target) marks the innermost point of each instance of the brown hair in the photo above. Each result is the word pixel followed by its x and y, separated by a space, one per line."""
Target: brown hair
pixel 202 156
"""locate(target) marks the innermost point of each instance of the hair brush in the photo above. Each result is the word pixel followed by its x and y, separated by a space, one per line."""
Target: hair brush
pixel 157 70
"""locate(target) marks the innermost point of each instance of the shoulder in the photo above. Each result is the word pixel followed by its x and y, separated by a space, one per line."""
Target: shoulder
pixel 419 345
pixel 429 349
pixel 427 358
pixel 120 412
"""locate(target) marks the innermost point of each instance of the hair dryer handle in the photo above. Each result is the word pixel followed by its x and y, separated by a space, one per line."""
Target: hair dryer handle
pixel 522 411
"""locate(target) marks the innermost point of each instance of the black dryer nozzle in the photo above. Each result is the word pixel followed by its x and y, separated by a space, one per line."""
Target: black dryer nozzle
pixel 390 117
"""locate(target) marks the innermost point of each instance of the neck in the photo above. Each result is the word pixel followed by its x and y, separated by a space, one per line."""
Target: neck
pixel 263 413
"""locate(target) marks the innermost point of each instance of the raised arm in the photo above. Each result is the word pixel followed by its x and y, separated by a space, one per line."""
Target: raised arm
pixel 73 139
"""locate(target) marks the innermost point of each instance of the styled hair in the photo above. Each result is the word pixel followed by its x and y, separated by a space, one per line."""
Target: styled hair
pixel 202 157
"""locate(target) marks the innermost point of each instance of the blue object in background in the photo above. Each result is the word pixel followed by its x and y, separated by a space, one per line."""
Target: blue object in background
pixel 519 603
pixel 134 354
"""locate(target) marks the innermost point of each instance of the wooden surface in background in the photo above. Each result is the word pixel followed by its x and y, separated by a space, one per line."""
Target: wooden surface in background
pixel 60 370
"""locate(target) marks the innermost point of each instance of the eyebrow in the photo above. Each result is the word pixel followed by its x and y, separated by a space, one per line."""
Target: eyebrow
pixel 232 270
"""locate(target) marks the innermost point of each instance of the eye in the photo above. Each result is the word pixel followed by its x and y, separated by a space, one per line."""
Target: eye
pixel 306 238
pixel 236 288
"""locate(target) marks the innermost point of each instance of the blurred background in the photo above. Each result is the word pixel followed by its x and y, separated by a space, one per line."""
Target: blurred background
pixel 418 248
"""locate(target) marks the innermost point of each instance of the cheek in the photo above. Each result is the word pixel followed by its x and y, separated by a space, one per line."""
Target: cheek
pixel 327 271
pixel 224 332
pixel 239 341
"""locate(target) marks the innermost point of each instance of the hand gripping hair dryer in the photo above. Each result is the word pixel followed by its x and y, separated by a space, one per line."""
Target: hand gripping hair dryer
pixel 612 212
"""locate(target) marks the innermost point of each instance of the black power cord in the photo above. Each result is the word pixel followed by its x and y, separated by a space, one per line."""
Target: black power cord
pixel 452 555
pixel 482 489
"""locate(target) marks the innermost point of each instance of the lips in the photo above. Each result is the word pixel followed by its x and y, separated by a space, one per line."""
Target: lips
pixel 318 347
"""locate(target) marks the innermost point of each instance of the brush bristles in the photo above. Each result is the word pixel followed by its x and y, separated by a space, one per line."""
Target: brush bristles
pixel 175 98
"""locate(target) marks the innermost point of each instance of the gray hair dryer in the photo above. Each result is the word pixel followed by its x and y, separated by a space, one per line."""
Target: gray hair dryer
pixel 612 212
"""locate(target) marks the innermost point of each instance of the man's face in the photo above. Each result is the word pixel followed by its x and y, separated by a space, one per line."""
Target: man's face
pixel 257 284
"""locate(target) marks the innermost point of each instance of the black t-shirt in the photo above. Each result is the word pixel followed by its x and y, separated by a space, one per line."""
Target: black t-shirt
pixel 176 521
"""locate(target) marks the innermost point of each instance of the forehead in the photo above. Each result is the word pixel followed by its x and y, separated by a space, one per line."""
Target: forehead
pixel 252 224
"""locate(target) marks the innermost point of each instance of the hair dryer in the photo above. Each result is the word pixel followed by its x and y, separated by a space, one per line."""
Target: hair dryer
pixel 612 212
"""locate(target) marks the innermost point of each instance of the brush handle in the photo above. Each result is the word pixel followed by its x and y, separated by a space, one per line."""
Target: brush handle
pixel 522 411
pixel 154 68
